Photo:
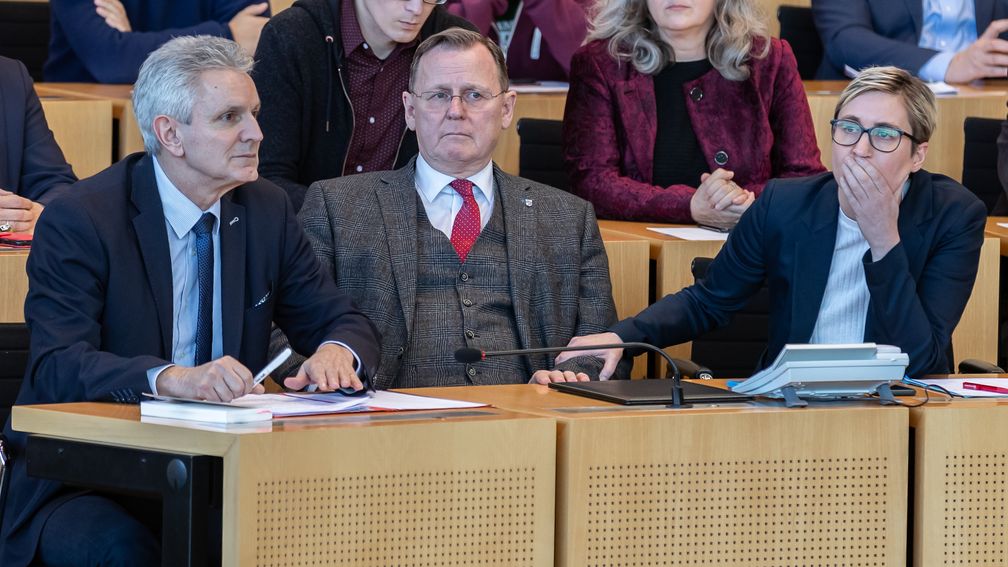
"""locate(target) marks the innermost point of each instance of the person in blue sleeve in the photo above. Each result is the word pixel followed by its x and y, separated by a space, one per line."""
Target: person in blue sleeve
pixel 33 170
pixel 105 41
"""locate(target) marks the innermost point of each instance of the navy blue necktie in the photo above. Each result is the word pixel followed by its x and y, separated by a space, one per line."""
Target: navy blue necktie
pixel 205 280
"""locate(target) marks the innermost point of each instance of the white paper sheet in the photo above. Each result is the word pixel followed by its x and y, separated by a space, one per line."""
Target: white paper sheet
pixel 691 233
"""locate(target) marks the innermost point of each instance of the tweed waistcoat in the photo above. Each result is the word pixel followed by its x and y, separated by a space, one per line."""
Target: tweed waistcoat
pixel 461 305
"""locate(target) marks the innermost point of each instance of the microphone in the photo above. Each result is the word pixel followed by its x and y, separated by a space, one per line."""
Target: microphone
pixel 470 355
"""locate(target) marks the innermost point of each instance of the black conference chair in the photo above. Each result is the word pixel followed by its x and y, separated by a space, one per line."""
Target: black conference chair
pixel 13 360
pixel 733 351
pixel 540 152
pixel 980 157
pixel 798 28
pixel 24 34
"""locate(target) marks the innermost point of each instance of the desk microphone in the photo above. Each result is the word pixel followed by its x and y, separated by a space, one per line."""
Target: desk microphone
pixel 472 355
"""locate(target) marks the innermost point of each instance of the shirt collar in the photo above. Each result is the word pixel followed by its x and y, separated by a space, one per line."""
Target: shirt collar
pixel 431 182
pixel 181 213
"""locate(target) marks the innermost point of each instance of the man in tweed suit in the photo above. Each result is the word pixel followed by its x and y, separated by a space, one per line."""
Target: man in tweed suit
pixel 449 251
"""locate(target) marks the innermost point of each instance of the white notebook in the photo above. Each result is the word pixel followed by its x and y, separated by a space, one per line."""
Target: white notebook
pixel 196 411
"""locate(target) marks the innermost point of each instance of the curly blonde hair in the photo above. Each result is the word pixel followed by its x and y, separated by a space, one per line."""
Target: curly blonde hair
pixel 633 36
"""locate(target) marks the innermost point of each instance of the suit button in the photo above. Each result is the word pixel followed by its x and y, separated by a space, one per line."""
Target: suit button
pixel 696 93
pixel 470 334
pixel 470 371
pixel 401 351
pixel 721 157
pixel 464 277
pixel 467 302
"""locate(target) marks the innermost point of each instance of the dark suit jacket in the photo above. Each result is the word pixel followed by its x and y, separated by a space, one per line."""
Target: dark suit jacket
pixel 917 291
pixel 860 33
pixel 364 231
pixel 31 164
pixel 761 126
pixel 99 304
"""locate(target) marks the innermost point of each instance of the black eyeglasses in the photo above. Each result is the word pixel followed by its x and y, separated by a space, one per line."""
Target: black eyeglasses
pixel 883 138
pixel 434 2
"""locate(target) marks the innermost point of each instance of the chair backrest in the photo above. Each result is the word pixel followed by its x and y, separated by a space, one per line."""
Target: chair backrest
pixel 980 158
pixel 798 28
pixel 24 34
pixel 540 152
pixel 733 351
pixel 13 362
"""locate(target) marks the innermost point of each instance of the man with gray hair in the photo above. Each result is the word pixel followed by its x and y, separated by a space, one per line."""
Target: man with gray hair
pixel 163 274
pixel 450 251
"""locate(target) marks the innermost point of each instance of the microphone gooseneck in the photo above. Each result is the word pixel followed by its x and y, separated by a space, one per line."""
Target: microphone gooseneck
pixel 472 355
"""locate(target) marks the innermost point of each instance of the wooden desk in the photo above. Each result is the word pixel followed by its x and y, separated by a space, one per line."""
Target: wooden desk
pixel 83 130
pixel 1001 233
pixel 974 337
pixel 435 488
pixel 628 270
pixel 122 108
pixel 746 485
pixel 960 494
pixel 946 146
pixel 14 285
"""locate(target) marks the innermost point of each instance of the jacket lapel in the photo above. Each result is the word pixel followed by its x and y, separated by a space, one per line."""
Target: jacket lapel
pixel 149 224
pixel 232 243
pixel 916 9
pixel 396 197
pixel 517 202
pixel 983 13
pixel 813 256
pixel 638 111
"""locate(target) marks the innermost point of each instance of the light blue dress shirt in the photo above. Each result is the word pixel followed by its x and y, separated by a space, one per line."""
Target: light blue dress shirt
pixel 181 215
pixel 442 202
pixel 949 27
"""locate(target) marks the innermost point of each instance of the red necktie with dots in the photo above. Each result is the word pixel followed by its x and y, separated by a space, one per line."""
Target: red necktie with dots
pixel 466 228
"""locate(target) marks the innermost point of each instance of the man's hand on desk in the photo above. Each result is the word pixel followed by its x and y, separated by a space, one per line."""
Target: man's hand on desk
pixel 220 380
pixel 330 368
pixel 985 57
pixel 547 376
pixel 611 356
pixel 17 213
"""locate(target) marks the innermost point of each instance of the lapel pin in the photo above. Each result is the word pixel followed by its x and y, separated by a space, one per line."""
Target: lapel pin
pixel 234 220
pixel 528 202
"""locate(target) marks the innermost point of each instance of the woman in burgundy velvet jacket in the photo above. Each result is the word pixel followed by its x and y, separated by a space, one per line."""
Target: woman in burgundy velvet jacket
pixel 722 105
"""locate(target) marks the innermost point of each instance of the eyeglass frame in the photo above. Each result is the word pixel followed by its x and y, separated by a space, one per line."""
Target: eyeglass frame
pixel 868 131
pixel 452 97
pixel 435 2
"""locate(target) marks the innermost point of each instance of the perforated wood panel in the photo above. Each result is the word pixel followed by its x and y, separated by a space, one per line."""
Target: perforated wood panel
pixel 758 512
pixel 731 489
pixel 470 517
pixel 975 507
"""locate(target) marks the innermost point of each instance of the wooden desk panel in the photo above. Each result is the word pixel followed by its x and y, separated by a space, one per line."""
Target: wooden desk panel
pixel 440 488
pixel 119 96
pixel 1001 233
pixel 83 130
pixel 529 105
pixel 960 494
pixel 13 285
pixel 974 337
pixel 628 271
pixel 742 484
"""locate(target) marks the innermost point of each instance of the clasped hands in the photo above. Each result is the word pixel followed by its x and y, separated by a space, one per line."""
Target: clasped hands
pixel 224 379
pixel 718 201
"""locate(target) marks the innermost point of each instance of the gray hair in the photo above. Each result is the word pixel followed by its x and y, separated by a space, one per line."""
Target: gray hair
pixel 459 39
pixel 633 36
pixel 171 75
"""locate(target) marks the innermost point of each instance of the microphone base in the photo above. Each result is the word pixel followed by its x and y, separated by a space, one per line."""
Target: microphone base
pixel 678 398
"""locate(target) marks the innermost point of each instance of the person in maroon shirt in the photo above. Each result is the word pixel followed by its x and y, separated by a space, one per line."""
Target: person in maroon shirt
pixel 330 74
pixel 682 111
pixel 538 36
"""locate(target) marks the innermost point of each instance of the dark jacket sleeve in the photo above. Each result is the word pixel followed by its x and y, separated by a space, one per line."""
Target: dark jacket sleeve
pixel 593 150
pixel 45 173
pixel 920 316
pixel 735 275
pixel 112 56
pixel 1002 160
pixel 311 309
pixel 849 37
pixel 68 270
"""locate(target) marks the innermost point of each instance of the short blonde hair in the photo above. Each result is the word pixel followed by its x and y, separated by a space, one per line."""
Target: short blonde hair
pixel 633 36
pixel 918 100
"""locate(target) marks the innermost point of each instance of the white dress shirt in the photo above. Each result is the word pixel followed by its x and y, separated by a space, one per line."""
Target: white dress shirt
pixel 442 202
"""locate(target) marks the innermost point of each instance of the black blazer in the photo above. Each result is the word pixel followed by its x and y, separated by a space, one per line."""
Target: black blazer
pixel 31 164
pixel 917 291
pixel 99 304
pixel 860 33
